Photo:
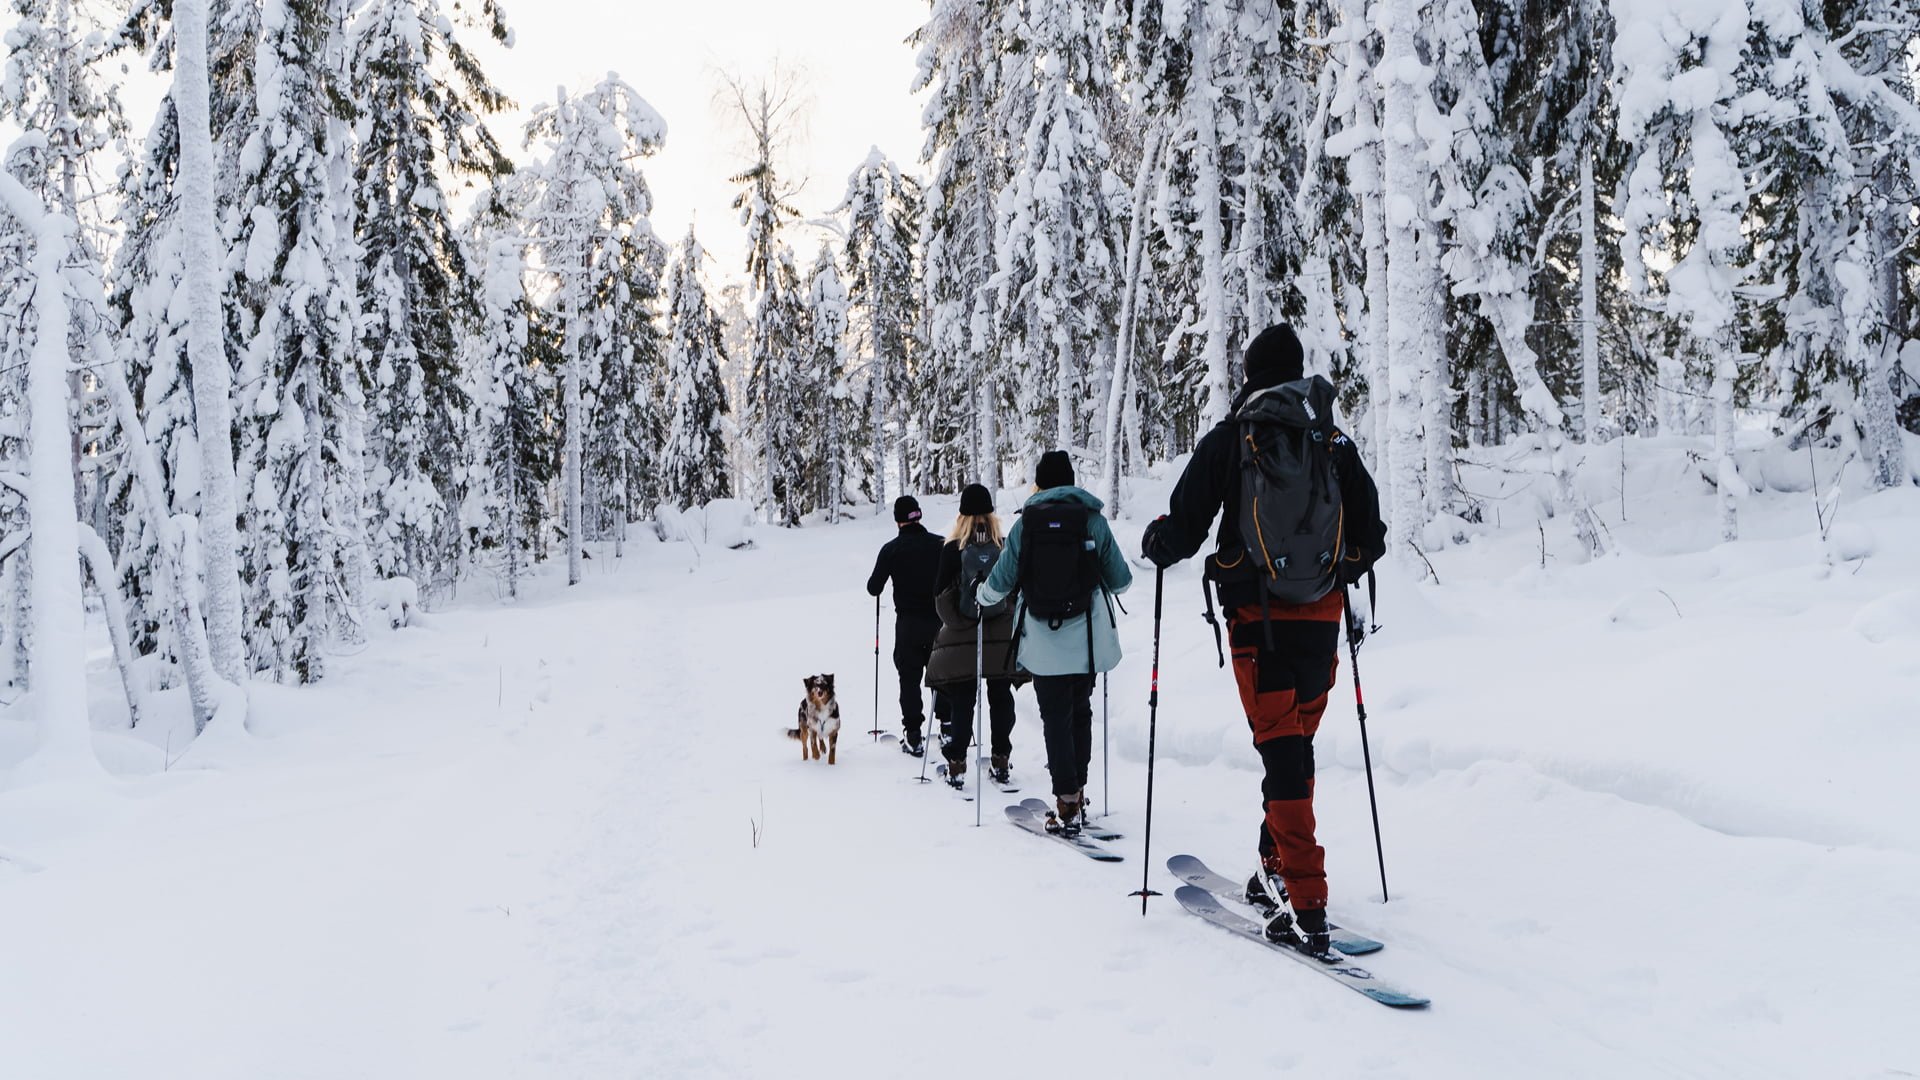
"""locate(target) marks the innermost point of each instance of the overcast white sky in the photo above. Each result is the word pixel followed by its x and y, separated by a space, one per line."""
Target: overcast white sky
pixel 857 66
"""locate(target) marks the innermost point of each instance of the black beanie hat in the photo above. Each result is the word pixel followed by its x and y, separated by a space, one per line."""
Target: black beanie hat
pixel 976 500
pixel 1275 357
pixel 905 509
pixel 1055 470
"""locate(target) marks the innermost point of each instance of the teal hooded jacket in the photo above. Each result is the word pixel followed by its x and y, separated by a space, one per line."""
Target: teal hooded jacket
pixel 1043 650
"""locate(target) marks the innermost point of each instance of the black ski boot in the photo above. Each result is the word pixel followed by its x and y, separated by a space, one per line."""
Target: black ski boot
pixel 1068 816
pixel 1315 941
pixel 913 745
pixel 1261 889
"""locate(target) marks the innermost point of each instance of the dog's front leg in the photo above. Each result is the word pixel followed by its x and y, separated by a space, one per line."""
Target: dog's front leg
pixel 833 746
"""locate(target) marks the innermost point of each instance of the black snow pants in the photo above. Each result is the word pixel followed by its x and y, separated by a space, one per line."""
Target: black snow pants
pixel 958 723
pixel 912 645
pixel 1066 711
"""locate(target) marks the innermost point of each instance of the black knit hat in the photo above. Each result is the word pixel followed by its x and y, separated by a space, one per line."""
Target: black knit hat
pixel 1055 470
pixel 976 500
pixel 905 508
pixel 1275 357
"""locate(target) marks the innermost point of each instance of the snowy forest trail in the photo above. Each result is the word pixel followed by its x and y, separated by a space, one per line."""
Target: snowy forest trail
pixel 568 839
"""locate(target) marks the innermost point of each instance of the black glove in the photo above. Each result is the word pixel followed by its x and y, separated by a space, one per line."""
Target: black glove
pixel 1153 544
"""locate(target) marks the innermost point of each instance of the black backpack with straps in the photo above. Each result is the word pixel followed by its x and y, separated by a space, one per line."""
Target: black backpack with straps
pixel 1292 524
pixel 1059 569
pixel 976 562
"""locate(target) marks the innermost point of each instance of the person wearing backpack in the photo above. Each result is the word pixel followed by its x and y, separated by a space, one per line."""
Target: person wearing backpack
pixel 910 560
pixel 1061 556
pixel 1301 522
pixel 969 554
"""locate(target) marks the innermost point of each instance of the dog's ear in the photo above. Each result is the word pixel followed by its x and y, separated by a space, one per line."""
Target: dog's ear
pixel 829 678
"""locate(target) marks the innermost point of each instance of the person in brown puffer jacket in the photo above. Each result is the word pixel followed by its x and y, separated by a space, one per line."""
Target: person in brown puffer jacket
pixel 976 537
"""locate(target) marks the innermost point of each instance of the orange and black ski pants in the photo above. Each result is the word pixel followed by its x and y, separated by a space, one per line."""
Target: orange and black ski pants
pixel 1284 659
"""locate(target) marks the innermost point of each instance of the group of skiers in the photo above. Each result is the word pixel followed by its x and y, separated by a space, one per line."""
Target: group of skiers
pixel 1301 521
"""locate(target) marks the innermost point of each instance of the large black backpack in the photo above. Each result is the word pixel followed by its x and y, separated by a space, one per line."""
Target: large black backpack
pixel 976 562
pixel 1058 567
pixel 1291 523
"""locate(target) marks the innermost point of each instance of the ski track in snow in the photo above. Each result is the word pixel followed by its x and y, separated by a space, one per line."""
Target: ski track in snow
pixel 520 843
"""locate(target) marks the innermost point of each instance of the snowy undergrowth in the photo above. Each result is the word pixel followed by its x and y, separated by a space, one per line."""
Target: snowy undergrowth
pixel 1647 815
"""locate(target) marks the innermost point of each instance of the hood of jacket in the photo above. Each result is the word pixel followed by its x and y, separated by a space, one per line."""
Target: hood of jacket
pixel 1066 493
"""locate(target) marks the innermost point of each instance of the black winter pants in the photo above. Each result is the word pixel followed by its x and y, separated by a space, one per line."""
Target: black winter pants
pixel 912 646
pixel 959 719
pixel 1066 711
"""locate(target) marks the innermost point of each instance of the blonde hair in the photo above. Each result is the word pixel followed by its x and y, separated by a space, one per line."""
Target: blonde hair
pixel 964 524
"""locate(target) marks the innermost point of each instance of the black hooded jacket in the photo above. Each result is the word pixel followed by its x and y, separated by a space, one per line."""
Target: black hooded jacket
pixel 1211 483
pixel 911 560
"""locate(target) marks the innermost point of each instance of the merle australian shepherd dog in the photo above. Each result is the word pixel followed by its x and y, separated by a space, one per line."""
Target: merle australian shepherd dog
pixel 819 730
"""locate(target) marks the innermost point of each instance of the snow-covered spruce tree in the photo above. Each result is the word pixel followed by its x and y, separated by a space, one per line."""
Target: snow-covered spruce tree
pixel 170 282
pixel 827 399
pixel 1824 300
pixel 51 85
pixel 501 511
pixel 1677 83
pixel 291 317
pixel 590 214
pixel 623 405
pixel 421 101
pixel 776 389
pixel 768 111
pixel 959 68
pixel 880 209
pixel 1347 131
pixel 693 463
pixel 1173 55
pixel 1491 258
pixel 1055 267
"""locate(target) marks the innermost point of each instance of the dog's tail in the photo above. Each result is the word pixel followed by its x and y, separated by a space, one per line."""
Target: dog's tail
pixel 793 733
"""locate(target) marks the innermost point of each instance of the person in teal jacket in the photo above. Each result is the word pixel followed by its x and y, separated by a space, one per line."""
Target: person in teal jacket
pixel 1064 656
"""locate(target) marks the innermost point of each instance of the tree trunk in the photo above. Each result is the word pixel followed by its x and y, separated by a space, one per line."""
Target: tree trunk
pixel 206 344
pixel 571 467
pixel 1407 299
pixel 1589 304
pixel 1217 390
pixel 64 740
pixel 1117 387
pixel 99 560
pixel 1728 483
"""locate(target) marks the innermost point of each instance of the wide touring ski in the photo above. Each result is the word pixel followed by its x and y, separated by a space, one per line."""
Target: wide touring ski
pixel 1356 978
pixel 1194 872
pixel 961 789
pixel 1082 843
pixel 1098 832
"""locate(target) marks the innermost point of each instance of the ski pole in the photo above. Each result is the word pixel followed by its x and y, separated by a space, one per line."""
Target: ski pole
pixel 979 703
pixel 1153 724
pixel 1366 754
pixel 926 740
pixel 1106 772
pixel 876 670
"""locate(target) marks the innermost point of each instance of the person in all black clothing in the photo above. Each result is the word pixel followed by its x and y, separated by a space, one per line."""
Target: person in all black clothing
pixel 910 560
pixel 1284 655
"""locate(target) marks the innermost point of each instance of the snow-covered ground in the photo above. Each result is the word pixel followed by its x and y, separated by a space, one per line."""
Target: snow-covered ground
pixel 1648 816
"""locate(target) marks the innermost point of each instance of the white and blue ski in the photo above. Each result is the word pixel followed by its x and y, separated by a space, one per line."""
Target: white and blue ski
pixel 1041 809
pixel 1194 872
pixel 1334 966
pixel 1080 842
